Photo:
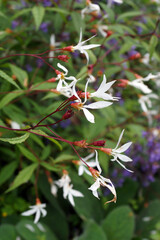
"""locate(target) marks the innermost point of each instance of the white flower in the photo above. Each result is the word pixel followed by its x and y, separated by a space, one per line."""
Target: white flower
pixel 82 48
pixel 82 167
pixel 101 181
pixel 15 125
pixel 103 30
pixel 116 152
pixel 63 181
pixel 70 193
pixel 91 7
pixel 53 44
pixel 145 101
pixel 101 91
pixel 91 78
pixel 37 209
pixel 116 1
pixel 62 86
pixel 138 83
pixel 149 114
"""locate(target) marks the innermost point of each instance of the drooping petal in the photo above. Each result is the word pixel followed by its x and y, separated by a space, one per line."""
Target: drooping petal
pixel 43 211
pixel 95 193
pixel 95 185
pixel 71 199
pixel 124 147
pixel 76 193
pixel 120 137
pixel 37 217
pixel 124 158
pixel 65 70
pixel 52 40
pixel 98 105
pixel 80 170
pixel 88 115
pixel 124 166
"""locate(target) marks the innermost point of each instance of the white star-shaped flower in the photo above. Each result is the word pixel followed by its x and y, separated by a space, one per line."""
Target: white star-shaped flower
pixel 37 209
pixel 101 181
pixel 83 168
pixel 101 91
pixel 64 180
pixel 82 48
pixel 116 152
pixel 69 192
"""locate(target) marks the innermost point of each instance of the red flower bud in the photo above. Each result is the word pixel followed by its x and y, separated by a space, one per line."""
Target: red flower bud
pixel 98 143
pixel 63 58
pixel 109 33
pixel 57 72
pixel 135 56
pixel 81 143
pixel 68 114
pixel 122 83
pixel 106 150
pixel 69 49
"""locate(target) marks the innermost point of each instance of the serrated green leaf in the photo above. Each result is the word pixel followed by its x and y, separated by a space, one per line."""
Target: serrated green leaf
pixel 7 171
pixel 27 153
pixel 16 140
pixel 119 224
pixel 152 45
pixel 38 14
pixel 9 97
pixel 23 176
pixel 8 78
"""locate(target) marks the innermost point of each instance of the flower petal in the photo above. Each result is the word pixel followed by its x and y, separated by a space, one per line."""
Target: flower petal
pixel 95 185
pixel 124 158
pixel 120 137
pixel 29 212
pixel 124 166
pixel 37 217
pixel 80 170
pixel 76 193
pixel 88 115
pixel 98 105
pixel 124 147
pixel 65 70
pixel 71 199
pixel 97 163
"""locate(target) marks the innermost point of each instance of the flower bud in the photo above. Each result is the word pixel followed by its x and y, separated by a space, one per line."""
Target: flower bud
pixel 109 33
pixel 135 56
pixel 63 58
pixel 51 80
pixel 122 83
pixel 98 143
pixel 68 114
pixel 69 49
pixel 81 143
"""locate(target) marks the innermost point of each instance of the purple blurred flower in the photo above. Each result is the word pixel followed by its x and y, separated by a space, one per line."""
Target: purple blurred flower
pixel 28 68
pixel 39 63
pixel 65 36
pixel 44 27
pixel 47 3
pixel 15 23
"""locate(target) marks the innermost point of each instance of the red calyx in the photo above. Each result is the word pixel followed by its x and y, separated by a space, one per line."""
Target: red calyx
pixel 68 49
pixel 81 143
pixel 109 33
pixel 51 80
pixel 57 72
pixel 106 150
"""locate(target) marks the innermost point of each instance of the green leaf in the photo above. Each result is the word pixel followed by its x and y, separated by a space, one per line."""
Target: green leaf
pixel 16 140
pixel 129 14
pixel 40 132
pixel 49 167
pixel 20 74
pixel 77 21
pixel 7 232
pixel 20 12
pixel 152 45
pixel 7 171
pixel 119 224
pixel 8 78
pixel 59 10
pixel 112 70
pixel 9 97
pixel 23 176
pixel 64 157
pixel 38 14
pixel 92 232
pixel 109 11
pixel 27 153
pixel 24 229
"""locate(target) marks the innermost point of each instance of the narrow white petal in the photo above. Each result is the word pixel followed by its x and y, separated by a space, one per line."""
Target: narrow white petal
pixel 29 212
pixel 76 193
pixel 120 137
pixel 124 147
pixel 124 166
pixel 37 216
pixel 70 198
pixel 98 105
pixel 43 211
pixel 80 36
pixel 65 70
pixel 80 170
pixel 95 194
pixel 124 158
pixel 52 40
pixel 88 115
pixel 71 78
pixel 97 163
pixel 86 86
pixel 90 46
